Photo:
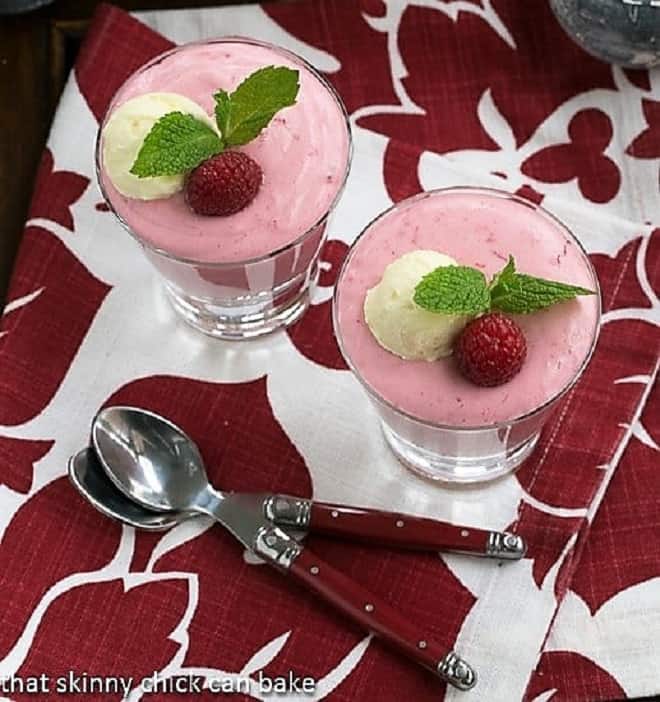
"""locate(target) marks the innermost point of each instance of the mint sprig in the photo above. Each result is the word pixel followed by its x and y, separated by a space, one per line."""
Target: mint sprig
pixel 518 293
pixel 453 290
pixel 242 115
pixel 179 142
pixel 463 290
pixel 176 143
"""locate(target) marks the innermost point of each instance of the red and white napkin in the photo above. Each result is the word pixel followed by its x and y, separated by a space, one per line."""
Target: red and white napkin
pixel 478 93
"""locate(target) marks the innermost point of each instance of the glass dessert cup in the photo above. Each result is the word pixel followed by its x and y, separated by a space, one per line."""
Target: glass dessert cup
pixel 247 298
pixel 454 453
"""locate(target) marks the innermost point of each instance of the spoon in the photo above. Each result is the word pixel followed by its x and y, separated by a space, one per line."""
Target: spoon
pixel 91 481
pixel 156 464
pixel 300 516
pixel 172 458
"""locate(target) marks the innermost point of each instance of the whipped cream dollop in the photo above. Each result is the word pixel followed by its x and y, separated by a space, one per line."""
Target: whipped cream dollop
pixel 401 326
pixel 124 134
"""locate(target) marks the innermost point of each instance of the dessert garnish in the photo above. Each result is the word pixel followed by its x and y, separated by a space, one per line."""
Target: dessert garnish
pixel 491 349
pixel 422 307
pixel 178 141
pixel 464 290
pixel 223 184
pixel 401 326
pixel 124 134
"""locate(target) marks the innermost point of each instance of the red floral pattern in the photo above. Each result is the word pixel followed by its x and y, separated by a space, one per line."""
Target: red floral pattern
pixel 529 193
pixel 647 144
pixel 98 73
pixel 54 535
pixel 575 679
pixel 631 514
pixel 313 26
pixel 463 69
pixel 590 132
pixel 400 170
pixel 547 535
pixel 653 261
pixel 568 473
pixel 37 347
pixel 18 457
pixel 434 49
pixel 628 291
pixel 639 78
pixel 100 641
pixel 55 192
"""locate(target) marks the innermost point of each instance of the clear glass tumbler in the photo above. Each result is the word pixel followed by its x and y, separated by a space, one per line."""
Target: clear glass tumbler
pixel 462 454
pixel 248 298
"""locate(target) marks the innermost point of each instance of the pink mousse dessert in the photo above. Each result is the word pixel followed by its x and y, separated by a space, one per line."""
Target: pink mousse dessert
pixel 479 228
pixel 266 252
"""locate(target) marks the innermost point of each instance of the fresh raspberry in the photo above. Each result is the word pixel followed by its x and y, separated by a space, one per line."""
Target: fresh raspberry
pixel 491 349
pixel 223 184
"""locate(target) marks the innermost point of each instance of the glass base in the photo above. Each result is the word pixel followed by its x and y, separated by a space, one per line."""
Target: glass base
pixel 457 469
pixel 256 316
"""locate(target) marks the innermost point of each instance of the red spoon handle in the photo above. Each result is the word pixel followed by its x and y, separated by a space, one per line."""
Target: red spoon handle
pixel 405 531
pixel 379 617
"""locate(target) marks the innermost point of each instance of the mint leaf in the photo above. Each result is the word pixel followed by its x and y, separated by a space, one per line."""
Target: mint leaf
pixel 505 276
pixel 222 109
pixel 453 290
pixel 242 115
pixel 176 143
pixel 518 293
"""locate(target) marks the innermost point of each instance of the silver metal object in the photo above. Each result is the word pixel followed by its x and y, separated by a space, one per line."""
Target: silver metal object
pixel 91 481
pixel 624 32
pixel 15 7
pixel 457 672
pixel 157 465
pixel 89 478
pixel 288 511
pixel 503 545
pixel 500 545
pixel 276 546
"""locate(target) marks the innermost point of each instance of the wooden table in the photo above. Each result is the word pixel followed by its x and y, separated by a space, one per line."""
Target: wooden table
pixel 37 50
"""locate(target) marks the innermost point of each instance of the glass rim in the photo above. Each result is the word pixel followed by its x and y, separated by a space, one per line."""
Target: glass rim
pixel 495 192
pixel 301 238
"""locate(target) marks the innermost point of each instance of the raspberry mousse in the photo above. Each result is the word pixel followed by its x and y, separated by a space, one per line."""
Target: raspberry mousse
pixel 224 159
pixel 530 358
pixel 303 155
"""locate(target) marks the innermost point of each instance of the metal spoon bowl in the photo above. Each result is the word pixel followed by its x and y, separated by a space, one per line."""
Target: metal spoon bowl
pixel 156 464
pixel 149 458
pixel 91 481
